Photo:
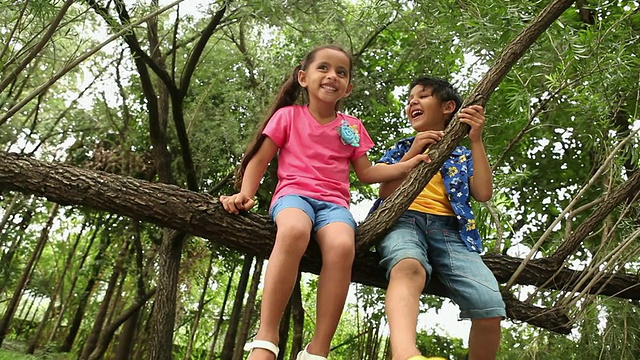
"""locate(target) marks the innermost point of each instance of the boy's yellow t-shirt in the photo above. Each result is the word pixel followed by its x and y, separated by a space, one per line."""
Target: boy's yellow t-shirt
pixel 433 199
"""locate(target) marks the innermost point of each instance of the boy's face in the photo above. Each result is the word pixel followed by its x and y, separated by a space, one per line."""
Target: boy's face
pixel 425 110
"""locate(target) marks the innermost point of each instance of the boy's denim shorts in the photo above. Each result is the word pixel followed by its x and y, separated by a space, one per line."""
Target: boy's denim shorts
pixel 321 213
pixel 434 240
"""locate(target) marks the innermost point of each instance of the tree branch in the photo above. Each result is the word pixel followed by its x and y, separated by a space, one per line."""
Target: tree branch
pixel 194 57
pixel 201 215
pixel 36 50
pixel 623 192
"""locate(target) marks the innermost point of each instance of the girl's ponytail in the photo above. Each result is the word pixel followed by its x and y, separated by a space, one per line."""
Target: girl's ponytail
pixel 287 95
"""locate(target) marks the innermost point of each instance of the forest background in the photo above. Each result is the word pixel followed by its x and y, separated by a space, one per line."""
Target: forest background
pixel 122 121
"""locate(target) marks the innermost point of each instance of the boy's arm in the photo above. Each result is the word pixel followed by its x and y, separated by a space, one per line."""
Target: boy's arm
pixel 481 183
pixel 251 179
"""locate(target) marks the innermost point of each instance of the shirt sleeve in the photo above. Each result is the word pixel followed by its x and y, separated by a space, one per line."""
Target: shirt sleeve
pixel 469 163
pixel 394 154
pixel 279 125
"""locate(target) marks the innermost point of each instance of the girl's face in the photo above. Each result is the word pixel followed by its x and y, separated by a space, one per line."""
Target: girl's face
pixel 327 78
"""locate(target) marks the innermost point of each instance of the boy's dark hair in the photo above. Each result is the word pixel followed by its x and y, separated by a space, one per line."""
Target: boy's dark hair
pixel 441 89
pixel 289 94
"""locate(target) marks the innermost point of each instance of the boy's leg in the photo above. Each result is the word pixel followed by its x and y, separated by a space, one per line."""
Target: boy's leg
pixel 484 338
pixel 335 233
pixel 406 282
pixel 470 283
pixel 403 254
pixel 292 237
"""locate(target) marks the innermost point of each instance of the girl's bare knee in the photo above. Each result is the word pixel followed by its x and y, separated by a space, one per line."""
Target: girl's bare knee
pixel 292 240
pixel 339 252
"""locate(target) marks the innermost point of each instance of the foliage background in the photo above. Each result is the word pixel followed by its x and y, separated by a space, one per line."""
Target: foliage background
pixel 552 122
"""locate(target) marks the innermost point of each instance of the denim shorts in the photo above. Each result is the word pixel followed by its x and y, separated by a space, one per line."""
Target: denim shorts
pixel 320 212
pixel 434 241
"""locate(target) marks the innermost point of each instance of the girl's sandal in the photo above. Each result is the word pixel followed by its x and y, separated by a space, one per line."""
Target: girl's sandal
pixel 262 344
pixel 304 355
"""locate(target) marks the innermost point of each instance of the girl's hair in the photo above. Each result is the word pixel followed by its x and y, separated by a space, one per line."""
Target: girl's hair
pixel 289 94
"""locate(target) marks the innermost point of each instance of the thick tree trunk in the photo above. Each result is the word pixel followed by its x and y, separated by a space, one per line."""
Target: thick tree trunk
pixel 26 274
pixel 232 329
pixel 164 308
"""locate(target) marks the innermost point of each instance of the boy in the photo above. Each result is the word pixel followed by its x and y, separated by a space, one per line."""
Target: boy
pixel 438 231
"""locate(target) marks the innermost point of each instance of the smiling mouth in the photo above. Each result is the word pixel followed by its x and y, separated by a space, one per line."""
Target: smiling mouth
pixel 416 113
pixel 329 88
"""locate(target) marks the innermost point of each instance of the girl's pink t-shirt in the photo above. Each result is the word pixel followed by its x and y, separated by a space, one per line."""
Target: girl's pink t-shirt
pixel 313 160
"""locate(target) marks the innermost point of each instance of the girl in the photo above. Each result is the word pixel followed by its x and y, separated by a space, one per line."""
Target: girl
pixel 315 145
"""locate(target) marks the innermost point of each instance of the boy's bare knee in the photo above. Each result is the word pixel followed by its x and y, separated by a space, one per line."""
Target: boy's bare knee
pixel 410 269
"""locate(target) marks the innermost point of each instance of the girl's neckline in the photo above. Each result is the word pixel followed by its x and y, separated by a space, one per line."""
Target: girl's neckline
pixel 337 116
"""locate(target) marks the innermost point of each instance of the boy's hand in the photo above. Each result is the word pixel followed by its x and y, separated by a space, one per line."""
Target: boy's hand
pixel 236 203
pixel 474 117
pixel 424 139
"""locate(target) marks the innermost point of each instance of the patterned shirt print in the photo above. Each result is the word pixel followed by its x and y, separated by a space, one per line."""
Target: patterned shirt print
pixel 456 171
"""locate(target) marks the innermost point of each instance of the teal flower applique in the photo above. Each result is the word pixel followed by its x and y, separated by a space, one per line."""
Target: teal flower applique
pixel 349 134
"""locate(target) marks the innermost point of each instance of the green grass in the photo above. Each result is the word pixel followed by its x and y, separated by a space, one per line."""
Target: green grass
pixel 14 351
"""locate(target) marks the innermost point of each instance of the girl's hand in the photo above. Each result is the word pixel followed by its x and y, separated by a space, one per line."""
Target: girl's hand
pixel 424 139
pixel 414 161
pixel 236 203
pixel 474 117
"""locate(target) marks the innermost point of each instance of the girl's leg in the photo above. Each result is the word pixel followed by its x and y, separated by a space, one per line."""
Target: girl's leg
pixel 292 238
pixel 336 241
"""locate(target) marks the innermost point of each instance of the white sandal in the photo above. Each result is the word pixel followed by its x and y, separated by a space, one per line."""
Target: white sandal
pixel 304 355
pixel 262 344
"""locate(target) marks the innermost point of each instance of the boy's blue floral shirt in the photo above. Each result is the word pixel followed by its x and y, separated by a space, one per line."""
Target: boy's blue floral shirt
pixel 456 171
